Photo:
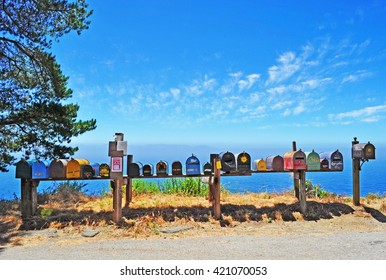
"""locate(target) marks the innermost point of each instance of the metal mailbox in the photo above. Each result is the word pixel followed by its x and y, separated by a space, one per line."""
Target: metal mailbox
pixel 295 160
pixel 104 170
pixel 74 168
pixel 207 168
pixel 228 162
pixel 193 165
pixel 23 169
pixel 58 168
pixel 335 160
pixel 134 169
pixel 162 168
pixel 176 168
pixel 363 151
pixel 275 163
pixel 324 164
pixel 243 162
pixel 312 160
pixel 147 170
pixel 87 171
pixel 260 165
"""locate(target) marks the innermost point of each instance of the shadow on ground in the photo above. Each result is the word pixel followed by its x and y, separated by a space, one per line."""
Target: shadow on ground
pixel 240 213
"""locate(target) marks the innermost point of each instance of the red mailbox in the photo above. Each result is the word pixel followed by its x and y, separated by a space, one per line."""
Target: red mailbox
pixel 295 160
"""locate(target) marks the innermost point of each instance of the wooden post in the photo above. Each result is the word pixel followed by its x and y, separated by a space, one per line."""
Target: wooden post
pixel 302 191
pixel 356 168
pixel 295 175
pixel 216 191
pixel 129 185
pixel 29 201
pixel 116 185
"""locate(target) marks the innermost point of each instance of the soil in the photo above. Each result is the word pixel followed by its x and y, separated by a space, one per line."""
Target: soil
pixel 246 221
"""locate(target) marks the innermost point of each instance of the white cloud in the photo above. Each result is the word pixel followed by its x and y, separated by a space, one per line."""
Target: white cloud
pixel 288 65
pixel 367 114
pixel 359 75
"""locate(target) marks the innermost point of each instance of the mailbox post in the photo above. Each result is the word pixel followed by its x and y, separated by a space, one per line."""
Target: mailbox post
pixel 117 151
pixel 360 152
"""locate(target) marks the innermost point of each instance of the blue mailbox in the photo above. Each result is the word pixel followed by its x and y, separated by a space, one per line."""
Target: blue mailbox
pixel 193 166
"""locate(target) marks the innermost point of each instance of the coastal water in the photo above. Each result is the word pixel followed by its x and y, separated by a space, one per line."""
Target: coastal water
pixel 372 178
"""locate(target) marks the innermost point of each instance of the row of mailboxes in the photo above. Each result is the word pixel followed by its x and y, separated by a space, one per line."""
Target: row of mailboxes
pixel 192 167
pixel 294 160
pixel 61 169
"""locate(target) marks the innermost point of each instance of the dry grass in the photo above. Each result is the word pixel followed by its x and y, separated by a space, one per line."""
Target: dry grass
pixel 148 213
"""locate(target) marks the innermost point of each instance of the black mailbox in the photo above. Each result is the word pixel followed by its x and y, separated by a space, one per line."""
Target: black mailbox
pixel 363 151
pixel 176 168
pixel 228 162
pixel 134 169
pixel 243 162
pixel 147 170
pixel 207 168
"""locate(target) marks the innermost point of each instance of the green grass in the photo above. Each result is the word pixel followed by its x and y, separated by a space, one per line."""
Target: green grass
pixel 187 186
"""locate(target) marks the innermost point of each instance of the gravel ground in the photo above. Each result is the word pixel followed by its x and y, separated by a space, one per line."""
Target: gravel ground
pixel 334 246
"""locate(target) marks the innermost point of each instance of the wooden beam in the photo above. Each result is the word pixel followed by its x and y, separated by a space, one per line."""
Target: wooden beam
pixel 296 180
pixel 29 201
pixel 216 190
pixel 302 192
pixel 116 185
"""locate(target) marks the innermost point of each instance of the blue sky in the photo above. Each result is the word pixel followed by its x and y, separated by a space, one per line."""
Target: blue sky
pixel 230 74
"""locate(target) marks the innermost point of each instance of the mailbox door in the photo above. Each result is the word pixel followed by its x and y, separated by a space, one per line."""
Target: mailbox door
pixel 104 170
pixel 299 161
pixel 58 168
pixel 261 165
pixel 288 161
pixel 162 168
pixel 336 161
pixel 207 168
pixel 369 151
pixel 23 169
pixel 87 172
pixel 133 170
pixel 228 162
pixel 147 170
pixel 176 168
pixel 39 170
pixel 243 162
pixel 324 164
pixel 313 161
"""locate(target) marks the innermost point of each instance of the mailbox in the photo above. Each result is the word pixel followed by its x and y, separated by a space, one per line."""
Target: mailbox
pixel 295 160
pixel 335 160
pixel 104 170
pixel 260 165
pixel 363 151
pixel 176 168
pixel 207 168
pixel 147 170
pixel 74 168
pixel 324 164
pixel 312 160
pixel 161 168
pixel 134 169
pixel 86 171
pixel 228 162
pixel 275 163
pixel 58 168
pixel 23 169
pixel 193 165
pixel 243 162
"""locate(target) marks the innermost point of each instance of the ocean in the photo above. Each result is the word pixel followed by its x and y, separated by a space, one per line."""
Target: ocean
pixel 372 178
